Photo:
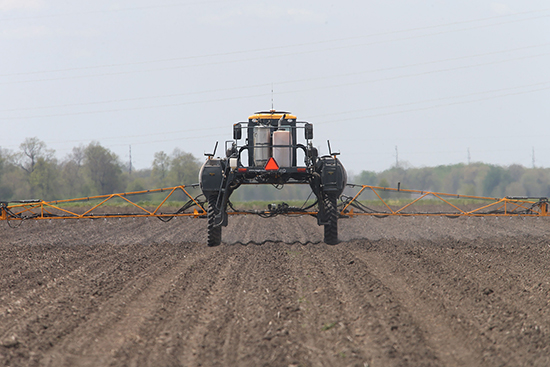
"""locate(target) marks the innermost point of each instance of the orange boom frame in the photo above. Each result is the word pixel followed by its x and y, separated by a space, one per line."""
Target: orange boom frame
pixel 474 206
pixel 349 206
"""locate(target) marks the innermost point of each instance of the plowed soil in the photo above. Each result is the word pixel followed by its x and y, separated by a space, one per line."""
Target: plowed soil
pixel 395 292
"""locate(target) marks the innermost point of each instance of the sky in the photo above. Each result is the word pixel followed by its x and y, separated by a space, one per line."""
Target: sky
pixel 418 83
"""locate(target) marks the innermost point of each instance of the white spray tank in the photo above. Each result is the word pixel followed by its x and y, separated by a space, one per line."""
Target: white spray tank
pixel 282 141
pixel 262 145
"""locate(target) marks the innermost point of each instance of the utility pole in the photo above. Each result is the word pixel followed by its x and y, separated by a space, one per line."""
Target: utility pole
pixel 396 157
pixel 130 166
pixel 469 157
pixel 533 157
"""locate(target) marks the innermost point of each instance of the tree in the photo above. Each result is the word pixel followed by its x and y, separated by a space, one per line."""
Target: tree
pixel 184 168
pixel 161 167
pixel 102 168
pixel 32 153
pixel 31 150
pixel 535 181
pixel 367 178
pixel 2 164
pixel 471 178
pixel 43 179
pixel 495 181
pixel 5 191
pixel 452 177
pixel 383 193
pixel 71 174
pixel 424 178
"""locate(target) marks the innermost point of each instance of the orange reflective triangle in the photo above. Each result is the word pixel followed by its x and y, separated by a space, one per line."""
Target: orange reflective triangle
pixel 271 165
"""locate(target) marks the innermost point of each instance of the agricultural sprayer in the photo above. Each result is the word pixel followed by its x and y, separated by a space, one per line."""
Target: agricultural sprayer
pixel 269 156
pixel 273 148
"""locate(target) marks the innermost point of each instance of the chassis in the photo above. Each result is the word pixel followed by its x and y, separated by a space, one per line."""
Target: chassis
pixel 256 162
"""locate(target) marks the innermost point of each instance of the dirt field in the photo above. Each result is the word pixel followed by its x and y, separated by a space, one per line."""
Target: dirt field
pixel 396 292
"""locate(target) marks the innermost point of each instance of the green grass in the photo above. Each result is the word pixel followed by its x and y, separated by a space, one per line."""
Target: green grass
pixel 263 205
pixel 293 253
pixel 118 203
pixel 328 326
pixel 423 202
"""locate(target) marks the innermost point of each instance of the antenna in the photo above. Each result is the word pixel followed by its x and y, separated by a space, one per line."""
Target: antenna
pixel 272 108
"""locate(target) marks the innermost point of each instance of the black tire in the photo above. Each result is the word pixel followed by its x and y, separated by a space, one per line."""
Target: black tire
pixel 214 233
pixel 331 212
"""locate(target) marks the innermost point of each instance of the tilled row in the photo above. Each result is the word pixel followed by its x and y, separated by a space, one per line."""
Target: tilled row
pixel 141 292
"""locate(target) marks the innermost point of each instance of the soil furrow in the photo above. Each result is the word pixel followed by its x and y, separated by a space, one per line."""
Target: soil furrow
pixel 421 291
pixel 381 324
pixel 453 349
pixel 119 318
pixel 166 334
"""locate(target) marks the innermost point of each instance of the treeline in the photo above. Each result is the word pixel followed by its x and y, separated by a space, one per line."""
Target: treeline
pixel 478 179
pixel 33 172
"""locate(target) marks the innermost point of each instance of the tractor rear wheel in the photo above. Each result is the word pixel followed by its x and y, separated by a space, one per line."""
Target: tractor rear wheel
pixel 331 212
pixel 214 232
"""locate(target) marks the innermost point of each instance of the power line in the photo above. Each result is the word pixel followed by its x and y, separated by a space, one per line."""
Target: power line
pixel 277 55
pixel 418 74
pixel 434 107
pixel 104 11
pixel 288 81
pixel 135 108
pixel 267 94
pixel 339 120
pixel 433 100
pixel 136 98
pixel 186 131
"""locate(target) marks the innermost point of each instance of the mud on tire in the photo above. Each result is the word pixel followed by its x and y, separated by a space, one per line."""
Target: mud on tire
pixel 214 232
pixel 331 212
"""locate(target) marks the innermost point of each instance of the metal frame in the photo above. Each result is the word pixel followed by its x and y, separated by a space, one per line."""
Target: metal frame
pixel 38 209
pixel 249 146
pixel 351 206
pixel 507 206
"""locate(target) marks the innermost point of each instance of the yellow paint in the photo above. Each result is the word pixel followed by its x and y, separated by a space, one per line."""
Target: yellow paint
pixel 271 116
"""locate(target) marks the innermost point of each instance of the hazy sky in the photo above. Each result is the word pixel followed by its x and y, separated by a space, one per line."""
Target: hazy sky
pixel 436 79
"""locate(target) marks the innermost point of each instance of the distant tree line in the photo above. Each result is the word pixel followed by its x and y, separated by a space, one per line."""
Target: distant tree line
pixel 34 172
pixel 477 179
